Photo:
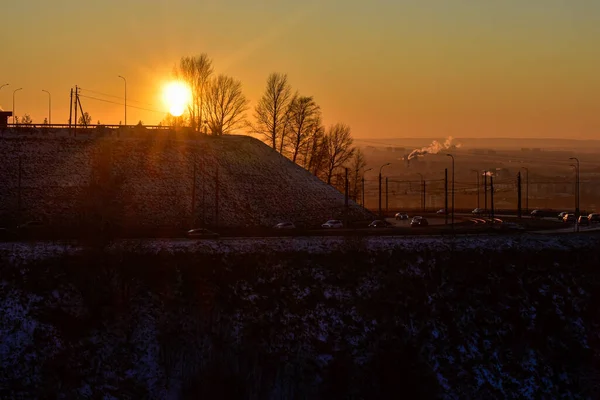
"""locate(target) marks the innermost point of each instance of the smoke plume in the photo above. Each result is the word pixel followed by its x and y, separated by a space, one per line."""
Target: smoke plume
pixel 434 148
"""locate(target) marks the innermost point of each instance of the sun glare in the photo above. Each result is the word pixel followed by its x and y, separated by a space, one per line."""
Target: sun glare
pixel 177 95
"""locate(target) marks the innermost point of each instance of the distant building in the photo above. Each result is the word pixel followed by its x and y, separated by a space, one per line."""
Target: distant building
pixel 4 115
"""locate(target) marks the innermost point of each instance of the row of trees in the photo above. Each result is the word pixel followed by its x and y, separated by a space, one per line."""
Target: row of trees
pixel 292 125
pixel 26 119
pixel 289 122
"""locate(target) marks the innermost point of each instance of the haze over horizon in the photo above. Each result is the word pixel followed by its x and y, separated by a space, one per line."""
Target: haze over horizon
pixel 388 69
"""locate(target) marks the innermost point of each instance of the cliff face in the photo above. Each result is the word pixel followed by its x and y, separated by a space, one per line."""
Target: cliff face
pixel 302 318
pixel 159 179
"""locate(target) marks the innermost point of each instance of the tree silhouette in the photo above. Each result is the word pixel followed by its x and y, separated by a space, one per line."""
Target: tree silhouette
pixel 304 117
pixel 26 120
pixel 195 72
pixel 225 105
pixel 270 112
pixel 85 119
pixel 338 142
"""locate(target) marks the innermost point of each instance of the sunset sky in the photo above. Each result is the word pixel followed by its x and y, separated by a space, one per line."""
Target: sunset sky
pixel 388 68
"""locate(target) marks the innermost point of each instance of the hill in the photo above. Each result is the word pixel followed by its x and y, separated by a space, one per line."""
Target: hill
pixel 159 179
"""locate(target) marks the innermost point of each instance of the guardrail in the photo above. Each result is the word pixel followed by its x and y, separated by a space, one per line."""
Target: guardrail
pixel 73 126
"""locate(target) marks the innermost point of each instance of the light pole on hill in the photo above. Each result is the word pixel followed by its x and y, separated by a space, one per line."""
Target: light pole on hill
pixel 451 156
pixel 363 186
pixel 13 107
pixel 576 191
pixel 49 107
pixel 422 192
pixel 526 189
pixel 1 86
pixel 125 81
pixel 477 175
pixel 380 168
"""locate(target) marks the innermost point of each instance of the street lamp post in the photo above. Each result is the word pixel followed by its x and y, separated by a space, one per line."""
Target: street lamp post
pixel 1 86
pixel 477 176
pixel 13 107
pixel 422 194
pixel 49 107
pixel 576 190
pixel 363 186
pixel 380 168
pixel 125 81
pixel 451 156
pixel 526 190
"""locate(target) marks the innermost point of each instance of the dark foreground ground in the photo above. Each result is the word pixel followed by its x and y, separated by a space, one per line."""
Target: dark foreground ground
pixel 311 318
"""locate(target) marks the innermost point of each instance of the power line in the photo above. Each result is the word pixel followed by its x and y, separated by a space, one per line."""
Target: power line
pixel 116 97
pixel 120 104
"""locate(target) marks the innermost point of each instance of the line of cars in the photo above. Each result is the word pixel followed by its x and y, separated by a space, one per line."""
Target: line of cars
pixel 568 217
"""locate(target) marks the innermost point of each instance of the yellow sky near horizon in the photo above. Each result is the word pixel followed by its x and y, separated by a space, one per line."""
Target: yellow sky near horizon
pixel 389 69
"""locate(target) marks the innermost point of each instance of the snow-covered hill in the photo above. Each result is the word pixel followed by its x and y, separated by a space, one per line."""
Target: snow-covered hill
pixel 147 180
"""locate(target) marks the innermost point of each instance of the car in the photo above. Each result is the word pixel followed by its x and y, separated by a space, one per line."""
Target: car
pixel 333 224
pixel 442 211
pixel 583 220
pixel 285 225
pixel 569 218
pixel 401 216
pixel 202 233
pixel 478 211
pixel 378 223
pixel 543 213
pixel 418 221
pixel 562 215
pixel 593 218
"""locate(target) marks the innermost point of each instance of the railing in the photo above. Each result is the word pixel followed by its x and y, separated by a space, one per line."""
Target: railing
pixel 78 126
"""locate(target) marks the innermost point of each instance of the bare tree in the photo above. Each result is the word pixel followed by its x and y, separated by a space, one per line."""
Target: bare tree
pixel 195 71
pixel 271 108
pixel 304 116
pixel 357 163
pixel 225 105
pixel 85 119
pixel 339 147
pixel 317 160
pixel 26 120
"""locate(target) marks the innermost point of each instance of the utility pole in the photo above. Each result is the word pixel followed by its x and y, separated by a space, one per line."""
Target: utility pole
pixel 446 194
pixel 519 194
pixel 424 197
pixel 75 105
pixel 19 189
pixel 492 197
pixel 217 197
pixel 346 194
pixel 526 189
pixel 71 110
pixel 193 195
pixel 485 176
pixel 386 194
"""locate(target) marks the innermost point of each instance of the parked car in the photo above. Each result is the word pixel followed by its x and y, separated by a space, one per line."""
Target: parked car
pixel 332 224
pixel 569 218
pixel 594 217
pixel 31 225
pixel 202 233
pixel 401 216
pixel 478 211
pixel 378 223
pixel 285 225
pixel 543 213
pixel 442 211
pixel 562 215
pixel 418 221
pixel 583 220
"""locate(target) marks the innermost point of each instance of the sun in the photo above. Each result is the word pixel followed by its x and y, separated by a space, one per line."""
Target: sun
pixel 177 95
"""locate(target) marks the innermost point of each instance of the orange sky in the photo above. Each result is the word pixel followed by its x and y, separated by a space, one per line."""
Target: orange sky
pixel 427 68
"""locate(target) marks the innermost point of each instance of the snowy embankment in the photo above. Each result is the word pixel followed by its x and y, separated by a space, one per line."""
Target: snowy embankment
pixel 469 317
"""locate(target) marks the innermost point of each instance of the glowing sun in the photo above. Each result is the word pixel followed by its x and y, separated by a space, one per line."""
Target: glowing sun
pixel 177 95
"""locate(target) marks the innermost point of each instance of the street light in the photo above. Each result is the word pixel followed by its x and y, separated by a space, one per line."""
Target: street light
pixel 13 107
pixel 451 156
pixel 1 86
pixel 363 186
pixel 49 107
pixel 380 168
pixel 422 192
pixel 576 190
pixel 526 189
pixel 125 80
pixel 477 175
